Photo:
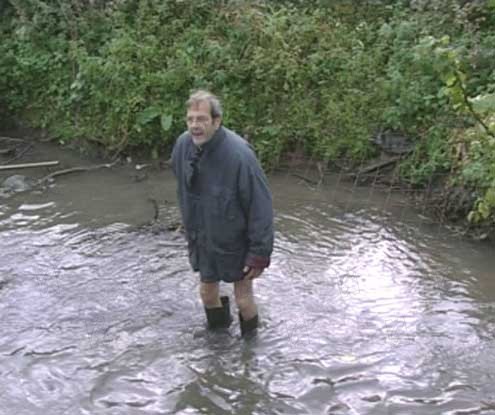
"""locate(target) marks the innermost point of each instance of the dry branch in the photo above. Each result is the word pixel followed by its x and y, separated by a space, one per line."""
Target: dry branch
pixel 13 139
pixel 75 170
pixel 19 154
pixel 29 165
pixel 306 179
pixel 379 165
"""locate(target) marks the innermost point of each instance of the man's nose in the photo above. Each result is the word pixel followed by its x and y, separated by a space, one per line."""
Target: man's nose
pixel 194 122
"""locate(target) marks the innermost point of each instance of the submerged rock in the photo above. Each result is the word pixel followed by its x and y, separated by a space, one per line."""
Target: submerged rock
pixel 16 183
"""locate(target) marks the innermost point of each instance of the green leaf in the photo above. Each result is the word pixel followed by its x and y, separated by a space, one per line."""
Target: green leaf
pixel 484 210
pixel 147 115
pixel 473 217
pixel 490 197
pixel 484 103
pixel 166 121
pixel 451 80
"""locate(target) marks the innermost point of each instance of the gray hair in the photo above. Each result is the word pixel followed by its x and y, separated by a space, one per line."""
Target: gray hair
pixel 205 96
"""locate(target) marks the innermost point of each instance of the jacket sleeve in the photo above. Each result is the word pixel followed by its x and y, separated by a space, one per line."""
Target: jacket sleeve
pixel 256 202
pixel 174 157
pixel 177 154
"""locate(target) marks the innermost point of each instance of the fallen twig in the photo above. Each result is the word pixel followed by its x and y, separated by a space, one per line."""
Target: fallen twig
pixel 19 154
pixel 12 139
pixel 378 165
pixel 29 165
pixel 75 170
pixel 6 151
pixel 306 179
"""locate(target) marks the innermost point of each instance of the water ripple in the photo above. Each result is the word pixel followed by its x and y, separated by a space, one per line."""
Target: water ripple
pixel 362 312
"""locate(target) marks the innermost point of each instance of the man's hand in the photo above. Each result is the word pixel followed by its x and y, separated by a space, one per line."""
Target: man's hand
pixel 251 273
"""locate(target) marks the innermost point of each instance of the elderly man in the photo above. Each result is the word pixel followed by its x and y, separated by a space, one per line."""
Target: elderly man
pixel 226 209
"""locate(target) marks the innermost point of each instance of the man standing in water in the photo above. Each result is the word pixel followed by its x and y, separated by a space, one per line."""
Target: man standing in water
pixel 226 209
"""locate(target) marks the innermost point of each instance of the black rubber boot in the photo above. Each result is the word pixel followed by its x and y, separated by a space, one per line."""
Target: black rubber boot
pixel 219 317
pixel 248 327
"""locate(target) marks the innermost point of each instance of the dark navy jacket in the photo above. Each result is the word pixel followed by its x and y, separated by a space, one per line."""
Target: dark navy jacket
pixel 225 203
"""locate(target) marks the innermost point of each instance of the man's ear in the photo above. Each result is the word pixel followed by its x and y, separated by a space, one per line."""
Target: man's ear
pixel 217 122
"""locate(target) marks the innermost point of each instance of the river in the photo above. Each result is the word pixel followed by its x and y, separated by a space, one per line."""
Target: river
pixel 368 307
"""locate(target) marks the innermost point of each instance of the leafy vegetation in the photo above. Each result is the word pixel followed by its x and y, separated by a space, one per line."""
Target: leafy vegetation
pixel 317 75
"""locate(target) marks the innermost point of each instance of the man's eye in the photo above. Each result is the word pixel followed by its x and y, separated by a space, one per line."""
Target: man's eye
pixel 200 120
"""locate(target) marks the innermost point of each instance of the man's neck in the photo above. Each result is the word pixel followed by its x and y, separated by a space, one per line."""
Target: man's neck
pixel 200 145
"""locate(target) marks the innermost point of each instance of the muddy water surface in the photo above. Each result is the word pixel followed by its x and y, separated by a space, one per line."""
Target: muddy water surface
pixel 368 307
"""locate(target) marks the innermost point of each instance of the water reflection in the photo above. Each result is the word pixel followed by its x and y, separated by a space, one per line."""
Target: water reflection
pixel 363 311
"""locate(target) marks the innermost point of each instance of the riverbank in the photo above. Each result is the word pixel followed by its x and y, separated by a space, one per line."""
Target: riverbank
pixel 111 74
pixel 442 203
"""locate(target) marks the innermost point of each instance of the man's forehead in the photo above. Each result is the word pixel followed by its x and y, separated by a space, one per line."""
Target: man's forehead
pixel 199 106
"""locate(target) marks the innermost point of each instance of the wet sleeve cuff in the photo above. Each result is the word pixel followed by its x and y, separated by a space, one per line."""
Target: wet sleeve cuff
pixel 256 261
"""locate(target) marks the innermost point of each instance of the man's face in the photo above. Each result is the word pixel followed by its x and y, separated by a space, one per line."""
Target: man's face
pixel 200 123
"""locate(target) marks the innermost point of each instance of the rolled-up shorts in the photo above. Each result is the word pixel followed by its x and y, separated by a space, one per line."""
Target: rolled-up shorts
pixel 217 266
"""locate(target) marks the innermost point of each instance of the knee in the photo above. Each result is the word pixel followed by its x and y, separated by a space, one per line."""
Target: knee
pixel 244 300
pixel 209 295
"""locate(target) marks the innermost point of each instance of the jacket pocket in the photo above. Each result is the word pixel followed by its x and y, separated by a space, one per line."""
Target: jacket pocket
pixel 221 203
pixel 224 221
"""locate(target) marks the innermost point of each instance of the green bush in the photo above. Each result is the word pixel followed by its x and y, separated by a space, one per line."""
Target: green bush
pixel 318 75
pixel 287 78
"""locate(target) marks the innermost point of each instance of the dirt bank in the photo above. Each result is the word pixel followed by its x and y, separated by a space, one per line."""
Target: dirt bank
pixel 447 204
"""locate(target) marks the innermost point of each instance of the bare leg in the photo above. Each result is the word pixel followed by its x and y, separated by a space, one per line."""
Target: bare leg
pixel 210 294
pixel 244 298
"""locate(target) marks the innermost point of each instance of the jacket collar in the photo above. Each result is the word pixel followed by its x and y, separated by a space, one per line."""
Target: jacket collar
pixel 214 141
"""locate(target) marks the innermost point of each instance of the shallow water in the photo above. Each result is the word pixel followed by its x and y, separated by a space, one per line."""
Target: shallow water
pixel 368 307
